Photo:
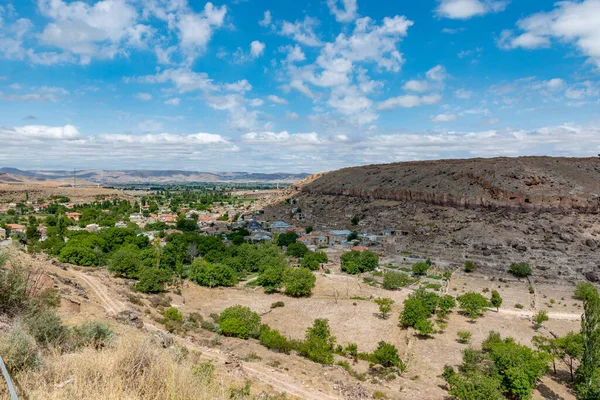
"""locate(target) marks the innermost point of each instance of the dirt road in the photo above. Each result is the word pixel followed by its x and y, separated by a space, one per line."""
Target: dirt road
pixel 529 314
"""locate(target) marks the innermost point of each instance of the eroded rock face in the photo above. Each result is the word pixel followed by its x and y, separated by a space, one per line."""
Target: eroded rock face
pixel 527 183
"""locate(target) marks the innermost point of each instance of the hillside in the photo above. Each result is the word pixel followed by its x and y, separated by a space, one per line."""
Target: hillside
pixel 527 182
pixel 156 176
pixel 493 211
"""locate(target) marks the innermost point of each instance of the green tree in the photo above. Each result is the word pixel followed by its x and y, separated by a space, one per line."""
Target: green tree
pixel 420 268
pixel 470 266
pixel 473 304
pixel 173 314
pixel 570 350
pixel 496 300
pixel 239 321
pixel 520 270
pixel 585 290
pixel 297 250
pixel 271 276
pixel 212 275
pixel 445 305
pixel 539 318
pixel 424 327
pixel 385 306
pixel 287 238
pixel 273 340
pixel 152 280
pixel 298 282
pixel 414 311
pixel 588 373
pixel 125 262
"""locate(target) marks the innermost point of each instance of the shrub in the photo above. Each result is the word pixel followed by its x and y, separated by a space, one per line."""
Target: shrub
pixel 539 318
pixel 445 305
pixel 355 262
pixel 396 280
pixel 420 268
pixel 470 266
pixel 424 327
pixel 318 344
pixel 126 262
pixel 385 306
pixel 277 304
pixel 298 282
pixel 173 314
pixel 239 321
pixel 496 300
pixel 521 269
pixel 13 290
pixel 19 350
pixel 464 336
pixel 152 280
pixel 95 334
pixel 286 239
pixel 386 355
pixel 585 290
pixel 47 328
pixel 273 340
pixel 413 312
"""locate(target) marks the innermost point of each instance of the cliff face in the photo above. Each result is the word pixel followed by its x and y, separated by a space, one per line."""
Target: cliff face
pixel 526 183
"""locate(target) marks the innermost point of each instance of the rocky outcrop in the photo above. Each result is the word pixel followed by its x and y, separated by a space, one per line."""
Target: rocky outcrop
pixel 521 184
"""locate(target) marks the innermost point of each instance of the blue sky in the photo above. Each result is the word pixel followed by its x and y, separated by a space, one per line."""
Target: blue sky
pixel 305 86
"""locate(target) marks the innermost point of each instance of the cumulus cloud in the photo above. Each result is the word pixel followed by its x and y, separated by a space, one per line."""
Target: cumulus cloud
pixel 256 49
pixel 173 102
pixel 465 9
pixel 346 13
pixel 443 118
pixel 463 94
pixel 266 21
pixel 302 31
pixel 576 22
pixel 409 101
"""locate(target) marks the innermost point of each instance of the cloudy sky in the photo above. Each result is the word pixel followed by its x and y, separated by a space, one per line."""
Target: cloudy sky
pixel 294 86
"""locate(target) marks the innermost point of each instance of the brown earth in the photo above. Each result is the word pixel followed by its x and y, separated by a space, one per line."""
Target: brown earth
pixel 541 210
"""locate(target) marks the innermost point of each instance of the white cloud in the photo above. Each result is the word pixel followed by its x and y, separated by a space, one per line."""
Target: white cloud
pixel 239 86
pixel 256 102
pixel 183 79
pixel 266 21
pixel 465 9
pixel 302 31
pixel 443 118
pixel 277 99
pixel 346 13
pixel 294 53
pixel 463 94
pixel 256 49
pixel 437 73
pixel 409 101
pixel 29 97
pixel 435 81
pixel 416 86
pixel 173 102
pixel 143 96
pixel 281 138
pixel 196 29
pixel 292 116
pixel 576 22
pixel 67 132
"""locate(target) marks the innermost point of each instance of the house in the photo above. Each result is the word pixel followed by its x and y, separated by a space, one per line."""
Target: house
pixel 92 228
pixel 338 236
pixel 359 248
pixel 136 218
pixel 121 224
pixel 2 233
pixel 279 227
pixel 259 237
pixel 16 228
pixel 315 239
pixel 254 225
pixel 73 215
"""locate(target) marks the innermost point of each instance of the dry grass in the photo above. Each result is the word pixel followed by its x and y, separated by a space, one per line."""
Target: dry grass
pixel 135 368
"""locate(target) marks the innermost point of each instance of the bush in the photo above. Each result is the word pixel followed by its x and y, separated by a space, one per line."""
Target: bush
pixel 424 327
pixel 286 239
pixel 539 318
pixel 414 311
pixel 239 321
pixel 19 350
pixel 386 355
pixel 298 282
pixel 583 291
pixel 271 277
pixel 273 340
pixel 464 336
pixel 385 306
pixel 212 275
pixel 420 268
pixel 395 280
pixel 47 328
pixel 173 314
pixel 521 269
pixel 470 266
pixel 13 291
pixel 95 334
pixel 355 262
pixel 152 280
pixel 318 344
pixel 277 304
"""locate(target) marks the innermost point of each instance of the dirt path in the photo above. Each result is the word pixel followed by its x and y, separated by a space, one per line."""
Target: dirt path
pixel 529 314
pixel 111 305
pixel 279 381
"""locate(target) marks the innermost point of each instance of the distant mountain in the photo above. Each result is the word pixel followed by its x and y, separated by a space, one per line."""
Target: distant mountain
pixel 156 176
